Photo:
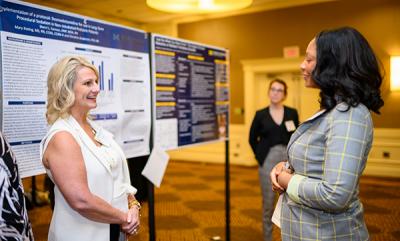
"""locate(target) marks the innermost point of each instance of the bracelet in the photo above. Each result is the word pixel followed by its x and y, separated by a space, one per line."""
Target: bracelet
pixel 288 167
pixel 134 202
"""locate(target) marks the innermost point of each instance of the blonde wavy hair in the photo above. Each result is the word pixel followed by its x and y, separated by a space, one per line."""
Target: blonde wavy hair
pixel 60 83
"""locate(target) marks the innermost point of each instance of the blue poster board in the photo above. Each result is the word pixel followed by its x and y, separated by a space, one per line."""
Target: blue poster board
pixel 191 91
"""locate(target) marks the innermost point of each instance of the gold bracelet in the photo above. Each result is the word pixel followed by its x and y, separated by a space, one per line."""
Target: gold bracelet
pixel 134 202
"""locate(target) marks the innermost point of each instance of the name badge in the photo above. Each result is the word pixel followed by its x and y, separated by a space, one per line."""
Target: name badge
pixel 290 126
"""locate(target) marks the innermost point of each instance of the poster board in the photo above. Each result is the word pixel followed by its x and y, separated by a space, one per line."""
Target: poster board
pixel 190 91
pixel 33 38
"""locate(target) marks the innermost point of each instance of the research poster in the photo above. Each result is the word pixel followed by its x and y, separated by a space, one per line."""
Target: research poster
pixel 33 38
pixel 191 91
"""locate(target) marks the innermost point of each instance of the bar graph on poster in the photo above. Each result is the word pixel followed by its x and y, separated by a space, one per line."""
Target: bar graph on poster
pixel 105 79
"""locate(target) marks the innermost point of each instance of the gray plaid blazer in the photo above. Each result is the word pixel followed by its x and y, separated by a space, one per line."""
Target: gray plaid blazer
pixel 330 151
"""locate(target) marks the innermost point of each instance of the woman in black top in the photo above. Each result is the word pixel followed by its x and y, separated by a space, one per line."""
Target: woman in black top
pixel 269 134
pixel 14 222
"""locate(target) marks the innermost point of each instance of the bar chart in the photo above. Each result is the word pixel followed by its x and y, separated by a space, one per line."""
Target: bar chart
pixel 105 78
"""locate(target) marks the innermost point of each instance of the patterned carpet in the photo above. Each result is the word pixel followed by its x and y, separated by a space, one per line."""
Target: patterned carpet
pixel 190 206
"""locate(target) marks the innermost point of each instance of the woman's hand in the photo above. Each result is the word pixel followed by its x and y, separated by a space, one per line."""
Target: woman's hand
pixel 132 224
pixel 284 178
pixel 275 172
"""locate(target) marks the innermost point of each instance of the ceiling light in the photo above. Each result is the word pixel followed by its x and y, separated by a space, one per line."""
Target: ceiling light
pixel 198 6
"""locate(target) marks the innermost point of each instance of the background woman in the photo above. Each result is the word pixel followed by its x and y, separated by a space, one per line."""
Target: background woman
pixel 269 134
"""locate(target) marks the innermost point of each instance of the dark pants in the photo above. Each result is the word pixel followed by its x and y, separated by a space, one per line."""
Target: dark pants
pixel 275 155
pixel 136 166
pixel 49 186
pixel 114 232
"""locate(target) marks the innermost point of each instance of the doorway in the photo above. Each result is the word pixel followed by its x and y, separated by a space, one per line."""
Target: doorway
pixel 303 99
pixel 257 75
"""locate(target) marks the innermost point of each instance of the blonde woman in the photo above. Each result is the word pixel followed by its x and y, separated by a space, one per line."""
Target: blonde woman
pixel 92 185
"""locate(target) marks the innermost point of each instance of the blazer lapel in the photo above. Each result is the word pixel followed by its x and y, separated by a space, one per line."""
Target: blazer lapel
pixel 89 144
pixel 304 127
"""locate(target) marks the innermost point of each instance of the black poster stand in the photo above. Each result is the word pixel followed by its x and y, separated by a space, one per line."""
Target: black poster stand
pixel 152 221
pixel 152 225
pixel 33 191
pixel 227 194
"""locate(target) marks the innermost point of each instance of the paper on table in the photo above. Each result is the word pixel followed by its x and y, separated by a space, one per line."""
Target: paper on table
pixel 276 216
pixel 156 165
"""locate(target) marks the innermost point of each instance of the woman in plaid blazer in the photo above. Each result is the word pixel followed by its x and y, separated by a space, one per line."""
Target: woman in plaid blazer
pixel 328 152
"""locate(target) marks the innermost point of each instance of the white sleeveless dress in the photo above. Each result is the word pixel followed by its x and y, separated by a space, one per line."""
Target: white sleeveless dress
pixel 108 178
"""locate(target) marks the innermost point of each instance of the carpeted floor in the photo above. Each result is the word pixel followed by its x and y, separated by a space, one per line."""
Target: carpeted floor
pixel 190 206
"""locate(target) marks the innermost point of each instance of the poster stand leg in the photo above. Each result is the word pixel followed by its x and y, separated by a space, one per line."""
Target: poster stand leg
pixel 227 194
pixel 33 191
pixel 152 225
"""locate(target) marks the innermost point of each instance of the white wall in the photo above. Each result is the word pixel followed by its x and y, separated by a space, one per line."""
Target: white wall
pixel 240 152
pixel 385 141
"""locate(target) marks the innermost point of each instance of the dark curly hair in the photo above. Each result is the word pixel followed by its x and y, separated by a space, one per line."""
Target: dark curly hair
pixel 347 70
